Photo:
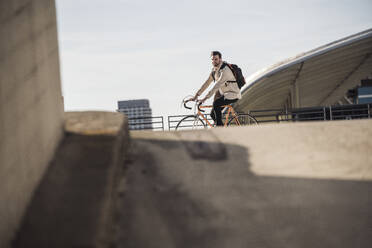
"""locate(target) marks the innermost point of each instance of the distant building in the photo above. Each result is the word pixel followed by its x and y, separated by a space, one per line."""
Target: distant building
pixel 365 91
pixel 361 93
pixel 139 113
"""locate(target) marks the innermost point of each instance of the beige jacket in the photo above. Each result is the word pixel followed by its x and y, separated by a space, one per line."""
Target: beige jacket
pixel 227 89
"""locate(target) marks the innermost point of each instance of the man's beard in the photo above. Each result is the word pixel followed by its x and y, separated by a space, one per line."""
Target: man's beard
pixel 216 65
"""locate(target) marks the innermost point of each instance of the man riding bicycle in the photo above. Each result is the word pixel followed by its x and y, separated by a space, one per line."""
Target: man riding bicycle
pixel 226 89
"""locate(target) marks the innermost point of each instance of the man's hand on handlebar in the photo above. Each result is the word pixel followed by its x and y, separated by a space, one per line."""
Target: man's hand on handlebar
pixel 194 99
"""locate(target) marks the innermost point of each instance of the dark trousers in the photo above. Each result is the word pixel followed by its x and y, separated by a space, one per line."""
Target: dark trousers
pixel 216 112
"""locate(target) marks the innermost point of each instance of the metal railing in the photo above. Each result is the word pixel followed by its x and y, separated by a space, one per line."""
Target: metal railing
pixel 146 123
pixel 321 113
pixel 173 120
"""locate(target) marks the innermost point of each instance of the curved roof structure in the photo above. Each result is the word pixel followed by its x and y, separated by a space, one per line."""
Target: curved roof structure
pixel 319 77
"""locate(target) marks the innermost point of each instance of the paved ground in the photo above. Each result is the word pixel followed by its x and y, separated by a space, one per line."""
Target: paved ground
pixel 293 185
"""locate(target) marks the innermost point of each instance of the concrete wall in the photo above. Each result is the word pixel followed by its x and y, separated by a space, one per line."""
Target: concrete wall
pixel 289 185
pixel 31 108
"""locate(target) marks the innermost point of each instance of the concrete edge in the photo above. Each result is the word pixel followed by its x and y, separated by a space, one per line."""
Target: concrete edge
pixel 107 125
pixel 106 233
pixel 94 122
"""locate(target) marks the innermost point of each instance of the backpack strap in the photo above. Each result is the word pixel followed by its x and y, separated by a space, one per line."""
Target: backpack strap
pixel 222 66
pixel 232 70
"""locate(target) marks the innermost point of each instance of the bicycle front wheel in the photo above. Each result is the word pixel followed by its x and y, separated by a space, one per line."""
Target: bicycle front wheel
pixel 191 122
pixel 242 120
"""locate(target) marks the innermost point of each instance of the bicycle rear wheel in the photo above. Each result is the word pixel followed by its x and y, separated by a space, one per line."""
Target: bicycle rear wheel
pixel 191 122
pixel 242 120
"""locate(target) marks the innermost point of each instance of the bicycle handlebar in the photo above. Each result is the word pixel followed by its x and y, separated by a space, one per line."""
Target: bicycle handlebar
pixel 184 104
pixel 198 104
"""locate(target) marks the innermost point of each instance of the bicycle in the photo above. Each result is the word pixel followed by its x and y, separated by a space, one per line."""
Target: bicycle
pixel 200 120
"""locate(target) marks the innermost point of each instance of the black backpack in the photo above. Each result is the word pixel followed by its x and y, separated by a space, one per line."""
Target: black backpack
pixel 237 74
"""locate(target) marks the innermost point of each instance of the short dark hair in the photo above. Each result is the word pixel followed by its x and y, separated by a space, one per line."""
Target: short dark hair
pixel 214 53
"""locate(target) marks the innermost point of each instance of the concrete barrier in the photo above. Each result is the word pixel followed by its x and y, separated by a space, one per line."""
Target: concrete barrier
pixel 74 204
pixel 287 185
pixel 31 108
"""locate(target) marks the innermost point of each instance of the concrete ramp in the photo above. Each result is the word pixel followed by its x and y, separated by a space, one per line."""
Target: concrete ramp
pixel 292 185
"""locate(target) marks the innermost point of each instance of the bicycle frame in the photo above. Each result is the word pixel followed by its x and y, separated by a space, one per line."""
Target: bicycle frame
pixel 199 116
pixel 229 111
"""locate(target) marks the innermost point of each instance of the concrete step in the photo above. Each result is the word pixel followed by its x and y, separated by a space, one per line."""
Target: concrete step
pixel 73 205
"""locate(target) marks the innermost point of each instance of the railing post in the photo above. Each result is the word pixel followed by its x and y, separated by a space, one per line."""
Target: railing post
pixel 369 110
pixel 330 112
pixel 324 114
pixel 286 113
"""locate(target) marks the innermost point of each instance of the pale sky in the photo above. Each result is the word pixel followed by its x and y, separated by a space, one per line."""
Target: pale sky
pixel 114 50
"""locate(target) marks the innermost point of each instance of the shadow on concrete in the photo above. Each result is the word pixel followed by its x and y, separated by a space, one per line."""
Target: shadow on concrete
pixel 71 204
pixel 173 198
